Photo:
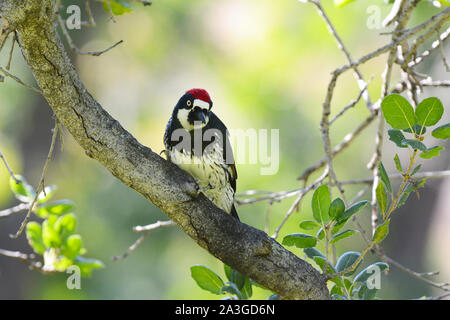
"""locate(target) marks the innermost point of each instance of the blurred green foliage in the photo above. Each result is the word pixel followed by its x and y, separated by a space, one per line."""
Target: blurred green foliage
pixel 265 63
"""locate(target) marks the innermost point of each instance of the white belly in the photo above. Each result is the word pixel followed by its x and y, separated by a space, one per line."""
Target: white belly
pixel 209 174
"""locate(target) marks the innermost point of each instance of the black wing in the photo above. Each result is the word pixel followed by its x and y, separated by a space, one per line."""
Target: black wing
pixel 228 157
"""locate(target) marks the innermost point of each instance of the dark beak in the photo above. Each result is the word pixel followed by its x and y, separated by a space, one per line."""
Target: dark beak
pixel 198 115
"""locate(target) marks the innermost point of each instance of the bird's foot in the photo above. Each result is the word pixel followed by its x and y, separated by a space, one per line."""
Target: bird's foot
pixel 204 189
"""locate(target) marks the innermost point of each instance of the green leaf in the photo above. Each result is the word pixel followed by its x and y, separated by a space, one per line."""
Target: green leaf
pixel 369 271
pixel 398 164
pixel 309 225
pixel 300 240
pixel 337 208
pixel 412 186
pixel 321 203
pixel 397 137
pixel 237 278
pixel 227 270
pixel 50 236
pixel 442 132
pixel 415 170
pixel 337 227
pixel 415 144
pixel 45 195
pixel 22 191
pixel 207 279
pixel 347 260
pixel 321 263
pixel 62 264
pixel 398 112
pixel 431 152
pixel 118 7
pixel 66 225
pixel 381 231
pixel 365 293
pixel 87 265
pixel 402 199
pixel 382 198
pixel 336 290
pixel 355 208
pixel 416 129
pixel 230 287
pixel 341 3
pixel 429 111
pixel 34 236
pixel 247 290
pixel 320 234
pixel 342 235
pixel 56 207
pixel 384 177
pixel 72 246
pixel 313 252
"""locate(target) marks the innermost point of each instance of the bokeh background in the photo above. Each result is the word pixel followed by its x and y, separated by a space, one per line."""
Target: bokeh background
pixel 266 65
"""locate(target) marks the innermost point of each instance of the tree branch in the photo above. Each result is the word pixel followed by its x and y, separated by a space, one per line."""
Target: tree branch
pixel 242 247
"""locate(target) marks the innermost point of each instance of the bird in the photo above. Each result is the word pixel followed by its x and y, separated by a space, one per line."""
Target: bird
pixel 209 161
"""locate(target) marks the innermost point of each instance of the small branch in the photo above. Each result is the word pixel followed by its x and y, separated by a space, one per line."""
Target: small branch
pixel 8 168
pixel 11 51
pixel 430 83
pixel 113 18
pixel 20 207
pixel 90 15
pixel 153 226
pixel 6 73
pixel 27 258
pixel 41 183
pixel 444 60
pixel 433 47
pixel 417 275
pixel 359 77
pixel 297 202
pixel 352 103
pixel 75 48
pixel 267 225
pixel 394 13
pixel 427 174
pixel 5 30
pixel 146 229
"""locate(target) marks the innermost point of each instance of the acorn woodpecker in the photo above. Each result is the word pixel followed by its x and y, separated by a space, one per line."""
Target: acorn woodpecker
pixel 197 141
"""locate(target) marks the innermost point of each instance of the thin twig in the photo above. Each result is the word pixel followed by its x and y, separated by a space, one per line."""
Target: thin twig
pixel 11 51
pixel 110 11
pixel 352 103
pixel 444 60
pixel 6 73
pixel 417 275
pixel 41 183
pixel 20 207
pixel 433 47
pixel 75 48
pixel 358 75
pixel 26 258
pixel 298 200
pixel 8 168
pixel 146 229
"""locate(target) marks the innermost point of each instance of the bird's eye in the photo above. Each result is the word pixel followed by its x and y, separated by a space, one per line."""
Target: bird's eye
pixel 189 102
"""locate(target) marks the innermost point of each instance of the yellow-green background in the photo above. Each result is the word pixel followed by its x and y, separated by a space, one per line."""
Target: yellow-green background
pixel 266 65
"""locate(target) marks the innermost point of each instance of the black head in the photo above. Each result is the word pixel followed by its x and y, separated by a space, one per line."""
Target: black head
pixel 192 110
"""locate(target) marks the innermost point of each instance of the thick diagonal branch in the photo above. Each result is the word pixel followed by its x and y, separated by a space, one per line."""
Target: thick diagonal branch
pixel 242 247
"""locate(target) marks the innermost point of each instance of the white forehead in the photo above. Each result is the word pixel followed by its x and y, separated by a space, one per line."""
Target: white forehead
pixel 201 104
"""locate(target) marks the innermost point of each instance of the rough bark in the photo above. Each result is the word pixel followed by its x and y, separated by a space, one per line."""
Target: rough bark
pixel 242 247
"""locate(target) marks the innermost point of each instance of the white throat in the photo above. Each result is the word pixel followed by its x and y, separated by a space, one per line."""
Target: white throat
pixel 183 115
